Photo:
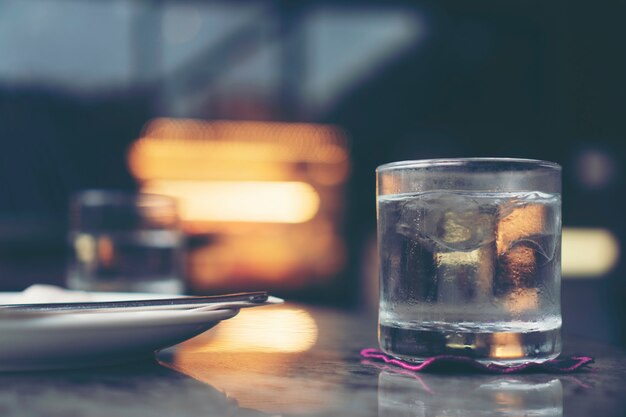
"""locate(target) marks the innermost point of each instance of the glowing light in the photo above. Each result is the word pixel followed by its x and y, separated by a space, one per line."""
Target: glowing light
pixel 506 346
pixel 195 149
pixel 588 252
pixel 269 192
pixel 509 399
pixel 291 330
pixel 241 201
pixel 106 251
pixel 85 247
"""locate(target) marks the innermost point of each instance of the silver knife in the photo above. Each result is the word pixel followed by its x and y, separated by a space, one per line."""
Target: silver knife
pixel 247 299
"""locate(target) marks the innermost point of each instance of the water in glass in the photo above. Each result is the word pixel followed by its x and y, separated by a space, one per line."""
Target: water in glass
pixel 470 273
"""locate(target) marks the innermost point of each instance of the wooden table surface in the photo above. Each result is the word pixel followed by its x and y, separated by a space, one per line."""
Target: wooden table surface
pixel 293 360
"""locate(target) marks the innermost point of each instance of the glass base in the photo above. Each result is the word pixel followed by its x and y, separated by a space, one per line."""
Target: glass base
pixel 502 348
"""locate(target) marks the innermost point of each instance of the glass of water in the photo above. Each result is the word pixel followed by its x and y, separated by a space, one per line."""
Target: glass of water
pixel 470 259
pixel 123 241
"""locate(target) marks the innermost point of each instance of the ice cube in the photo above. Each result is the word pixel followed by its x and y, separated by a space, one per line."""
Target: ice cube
pixel 465 276
pixel 531 223
pixel 417 261
pixel 448 221
pixel 521 300
pixel 516 269
pixel 455 271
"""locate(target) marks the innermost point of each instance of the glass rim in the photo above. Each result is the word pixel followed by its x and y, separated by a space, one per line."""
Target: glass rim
pixel 112 197
pixel 458 162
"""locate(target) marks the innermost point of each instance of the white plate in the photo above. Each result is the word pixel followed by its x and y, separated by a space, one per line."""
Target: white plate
pixel 97 339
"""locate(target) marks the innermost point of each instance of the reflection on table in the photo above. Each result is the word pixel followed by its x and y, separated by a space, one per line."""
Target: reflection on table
pixel 267 343
pixel 403 394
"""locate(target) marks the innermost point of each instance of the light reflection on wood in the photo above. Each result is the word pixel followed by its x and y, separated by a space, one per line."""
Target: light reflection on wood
pixel 252 359
pixel 264 329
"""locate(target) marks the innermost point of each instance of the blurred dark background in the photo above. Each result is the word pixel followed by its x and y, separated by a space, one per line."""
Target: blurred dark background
pixel 79 80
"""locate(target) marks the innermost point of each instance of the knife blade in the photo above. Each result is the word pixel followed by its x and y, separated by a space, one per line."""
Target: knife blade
pixel 238 300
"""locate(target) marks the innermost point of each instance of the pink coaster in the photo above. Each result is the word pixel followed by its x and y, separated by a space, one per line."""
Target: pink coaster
pixel 449 362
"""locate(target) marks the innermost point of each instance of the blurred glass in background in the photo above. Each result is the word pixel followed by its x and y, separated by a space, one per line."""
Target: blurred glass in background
pixel 242 111
pixel 125 242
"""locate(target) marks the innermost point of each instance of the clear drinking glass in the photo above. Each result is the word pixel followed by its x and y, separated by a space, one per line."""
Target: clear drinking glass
pixel 123 241
pixel 470 259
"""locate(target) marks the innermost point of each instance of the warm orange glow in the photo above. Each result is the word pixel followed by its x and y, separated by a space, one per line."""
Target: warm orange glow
pixel 311 142
pixel 523 221
pixel 286 259
pixel 273 330
pixel 520 264
pixel 264 348
pixel 106 251
pixel 509 399
pixel 241 201
pixel 506 346
pixel 265 198
pixel 194 149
